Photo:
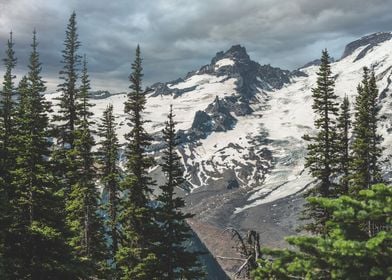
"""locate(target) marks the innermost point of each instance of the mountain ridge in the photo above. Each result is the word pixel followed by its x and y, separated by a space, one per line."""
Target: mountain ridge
pixel 241 126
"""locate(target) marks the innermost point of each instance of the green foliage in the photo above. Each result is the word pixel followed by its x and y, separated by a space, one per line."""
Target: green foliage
pixel 344 157
pixel 366 144
pixel 110 177
pixel 346 251
pixel 36 247
pixel 176 262
pixel 322 147
pixel 7 100
pixel 67 113
pixel 7 111
pixel 86 224
pixel 66 117
pixel 139 230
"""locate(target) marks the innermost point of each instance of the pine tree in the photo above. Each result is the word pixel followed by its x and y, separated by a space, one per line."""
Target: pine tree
pixel 37 248
pixel 7 160
pixel 366 149
pixel 110 177
pixel 176 261
pixel 7 101
pixel 344 158
pixel 83 218
pixel 136 257
pixel 67 113
pixel 346 252
pixel 321 157
pixel 375 138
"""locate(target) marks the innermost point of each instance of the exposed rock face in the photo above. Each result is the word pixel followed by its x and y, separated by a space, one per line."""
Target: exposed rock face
pixel 315 62
pixel 237 105
pixel 233 184
pixel 163 89
pixel 221 117
pixel 251 74
pixel 369 41
pixel 251 78
pixel 202 122
pixel 216 117
pixel 102 94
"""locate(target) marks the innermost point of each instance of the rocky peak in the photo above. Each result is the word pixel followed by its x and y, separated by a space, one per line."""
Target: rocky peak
pixel 236 52
pixel 217 107
pixel 370 41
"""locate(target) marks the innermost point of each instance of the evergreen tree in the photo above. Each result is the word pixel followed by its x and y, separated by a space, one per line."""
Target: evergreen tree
pixel 375 138
pixel 7 109
pixel 82 205
pixel 67 113
pixel 366 149
pixel 37 248
pixel 321 157
pixel 7 105
pixel 344 158
pixel 176 261
pixel 136 257
pixel 110 177
pixel 346 251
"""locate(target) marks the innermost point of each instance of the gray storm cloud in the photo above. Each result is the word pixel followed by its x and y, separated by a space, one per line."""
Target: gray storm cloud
pixel 179 35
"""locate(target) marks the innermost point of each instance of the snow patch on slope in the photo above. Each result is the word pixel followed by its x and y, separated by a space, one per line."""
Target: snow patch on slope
pixel 224 62
pixel 289 116
pixel 185 107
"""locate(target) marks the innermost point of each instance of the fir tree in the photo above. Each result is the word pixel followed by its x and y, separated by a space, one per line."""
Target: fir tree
pixel 82 205
pixel 136 257
pixel 176 261
pixel 7 109
pixel 346 251
pixel 110 177
pixel 375 138
pixel 321 157
pixel 366 149
pixel 344 158
pixel 37 245
pixel 7 101
pixel 67 113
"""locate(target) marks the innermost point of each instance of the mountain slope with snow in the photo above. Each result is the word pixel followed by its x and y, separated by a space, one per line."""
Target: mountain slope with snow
pixel 241 123
pixel 241 126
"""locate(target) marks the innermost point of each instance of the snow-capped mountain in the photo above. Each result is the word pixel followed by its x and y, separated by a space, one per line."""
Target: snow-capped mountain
pixel 240 125
pixel 241 122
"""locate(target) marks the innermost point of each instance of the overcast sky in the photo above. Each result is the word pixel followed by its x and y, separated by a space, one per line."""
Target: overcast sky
pixel 177 36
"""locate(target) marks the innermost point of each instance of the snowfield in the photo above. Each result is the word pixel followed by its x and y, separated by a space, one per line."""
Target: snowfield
pixel 280 118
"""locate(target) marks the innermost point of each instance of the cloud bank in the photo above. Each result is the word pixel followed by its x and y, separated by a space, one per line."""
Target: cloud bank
pixel 177 36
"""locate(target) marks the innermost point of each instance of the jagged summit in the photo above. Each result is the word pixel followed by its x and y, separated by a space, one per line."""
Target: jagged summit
pixel 236 52
pixel 243 157
pixel 233 64
pixel 369 41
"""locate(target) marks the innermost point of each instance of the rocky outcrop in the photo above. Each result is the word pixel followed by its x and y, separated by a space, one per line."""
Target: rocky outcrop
pixel 202 122
pixel 164 89
pixel 216 117
pixel 251 76
pixel 102 94
pixel 369 41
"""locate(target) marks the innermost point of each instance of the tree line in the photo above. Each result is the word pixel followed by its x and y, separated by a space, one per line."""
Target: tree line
pixel 54 223
pixel 348 214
